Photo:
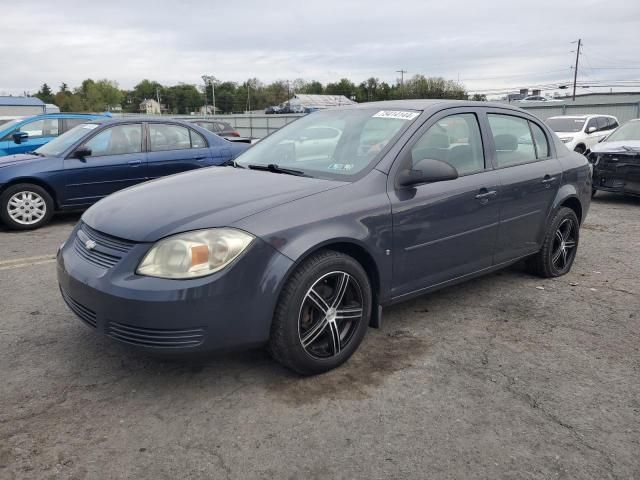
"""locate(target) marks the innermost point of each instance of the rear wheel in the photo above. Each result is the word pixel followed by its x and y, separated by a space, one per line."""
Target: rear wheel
pixel 560 245
pixel 26 207
pixel 322 314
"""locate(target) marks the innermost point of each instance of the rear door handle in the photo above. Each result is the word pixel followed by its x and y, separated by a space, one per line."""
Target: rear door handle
pixel 486 194
pixel 135 163
pixel 548 180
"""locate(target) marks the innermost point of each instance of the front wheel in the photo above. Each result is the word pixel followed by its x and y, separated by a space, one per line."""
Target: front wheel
pixel 559 247
pixel 322 314
pixel 26 207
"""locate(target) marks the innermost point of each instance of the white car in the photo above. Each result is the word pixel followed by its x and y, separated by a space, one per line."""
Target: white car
pixel 581 132
pixel 539 98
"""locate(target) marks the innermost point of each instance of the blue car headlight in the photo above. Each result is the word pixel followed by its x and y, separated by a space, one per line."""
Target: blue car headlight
pixel 194 254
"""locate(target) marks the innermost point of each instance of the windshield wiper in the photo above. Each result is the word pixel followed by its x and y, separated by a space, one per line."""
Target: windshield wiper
pixel 272 167
pixel 232 163
pixel 37 154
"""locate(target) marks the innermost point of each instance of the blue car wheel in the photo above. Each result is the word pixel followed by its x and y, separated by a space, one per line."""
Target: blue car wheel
pixel 26 207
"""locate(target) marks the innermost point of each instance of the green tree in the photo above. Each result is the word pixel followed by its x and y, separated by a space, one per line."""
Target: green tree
pixel 45 94
pixel 344 87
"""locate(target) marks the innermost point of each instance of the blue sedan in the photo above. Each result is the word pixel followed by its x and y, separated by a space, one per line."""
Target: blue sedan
pixel 27 134
pixel 95 159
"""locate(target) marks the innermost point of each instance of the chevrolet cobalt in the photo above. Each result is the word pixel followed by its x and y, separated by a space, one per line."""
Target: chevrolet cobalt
pixel 303 240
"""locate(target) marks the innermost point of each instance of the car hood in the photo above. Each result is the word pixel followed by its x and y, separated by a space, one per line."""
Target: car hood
pixel 9 160
pixel 205 198
pixel 623 146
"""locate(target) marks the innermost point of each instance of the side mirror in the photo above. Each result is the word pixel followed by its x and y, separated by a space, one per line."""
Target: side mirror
pixel 591 129
pixel 20 137
pixel 427 171
pixel 81 153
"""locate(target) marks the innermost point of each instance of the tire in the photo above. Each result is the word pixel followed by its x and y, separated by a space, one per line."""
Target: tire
pixel 26 207
pixel 560 245
pixel 580 149
pixel 306 324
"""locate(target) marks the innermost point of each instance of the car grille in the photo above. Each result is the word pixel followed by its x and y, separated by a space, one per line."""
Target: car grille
pixel 85 314
pixel 152 337
pixel 107 251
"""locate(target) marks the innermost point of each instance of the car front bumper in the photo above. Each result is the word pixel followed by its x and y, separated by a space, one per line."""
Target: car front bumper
pixel 230 309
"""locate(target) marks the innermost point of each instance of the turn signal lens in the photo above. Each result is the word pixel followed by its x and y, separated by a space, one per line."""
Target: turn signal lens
pixel 194 254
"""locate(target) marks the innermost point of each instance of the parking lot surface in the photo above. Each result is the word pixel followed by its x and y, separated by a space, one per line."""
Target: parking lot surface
pixel 505 377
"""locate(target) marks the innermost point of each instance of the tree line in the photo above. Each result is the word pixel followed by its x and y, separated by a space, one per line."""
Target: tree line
pixel 232 97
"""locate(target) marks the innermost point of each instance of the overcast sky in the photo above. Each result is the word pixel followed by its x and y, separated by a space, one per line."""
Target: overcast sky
pixel 487 45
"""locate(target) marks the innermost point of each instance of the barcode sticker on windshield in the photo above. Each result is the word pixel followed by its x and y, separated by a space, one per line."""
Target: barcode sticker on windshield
pixel 396 114
pixel 90 126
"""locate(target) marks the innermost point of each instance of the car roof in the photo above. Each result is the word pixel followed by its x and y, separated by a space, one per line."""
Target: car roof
pixel 140 118
pixel 585 116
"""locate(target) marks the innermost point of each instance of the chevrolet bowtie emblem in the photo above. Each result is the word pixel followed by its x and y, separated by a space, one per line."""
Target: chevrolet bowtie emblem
pixel 90 244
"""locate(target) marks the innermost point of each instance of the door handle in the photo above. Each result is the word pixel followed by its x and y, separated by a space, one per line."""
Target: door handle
pixel 486 194
pixel 548 180
pixel 135 163
pixel 199 159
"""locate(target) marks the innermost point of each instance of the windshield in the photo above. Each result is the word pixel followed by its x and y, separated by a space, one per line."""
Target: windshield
pixel 57 146
pixel 629 131
pixel 335 144
pixel 565 124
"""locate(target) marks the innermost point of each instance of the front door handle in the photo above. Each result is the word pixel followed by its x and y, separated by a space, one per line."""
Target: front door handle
pixel 486 194
pixel 135 163
pixel 199 159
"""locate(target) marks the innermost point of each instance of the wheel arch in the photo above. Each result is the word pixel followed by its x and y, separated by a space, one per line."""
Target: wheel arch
pixel 34 181
pixel 568 197
pixel 360 253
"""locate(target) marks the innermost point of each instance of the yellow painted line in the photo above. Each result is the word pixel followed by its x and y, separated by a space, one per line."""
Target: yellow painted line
pixel 27 259
pixel 26 262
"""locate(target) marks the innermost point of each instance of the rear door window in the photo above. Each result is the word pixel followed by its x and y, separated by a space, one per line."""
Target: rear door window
pixel 512 139
pixel 540 139
pixel 168 137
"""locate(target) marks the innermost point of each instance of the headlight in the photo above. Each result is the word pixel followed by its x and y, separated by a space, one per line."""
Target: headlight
pixel 566 139
pixel 194 254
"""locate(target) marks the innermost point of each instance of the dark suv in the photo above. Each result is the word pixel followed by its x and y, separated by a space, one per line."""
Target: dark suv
pixel 301 241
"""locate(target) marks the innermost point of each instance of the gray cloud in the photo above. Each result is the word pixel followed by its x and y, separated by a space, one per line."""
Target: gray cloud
pixel 487 45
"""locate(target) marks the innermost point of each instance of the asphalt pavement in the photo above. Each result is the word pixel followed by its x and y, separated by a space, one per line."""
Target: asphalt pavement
pixel 504 377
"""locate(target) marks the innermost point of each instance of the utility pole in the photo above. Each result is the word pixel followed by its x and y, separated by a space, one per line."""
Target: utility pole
pixel 401 72
pixel 575 71
pixel 158 97
pixel 204 79
pixel 210 80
